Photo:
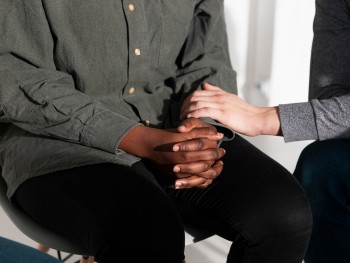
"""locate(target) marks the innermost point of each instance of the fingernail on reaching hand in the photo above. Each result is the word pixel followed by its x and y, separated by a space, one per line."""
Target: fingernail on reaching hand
pixel 189 115
pixel 176 148
pixel 176 169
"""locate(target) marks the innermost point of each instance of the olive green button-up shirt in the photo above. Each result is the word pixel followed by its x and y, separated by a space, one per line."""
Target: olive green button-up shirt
pixel 76 76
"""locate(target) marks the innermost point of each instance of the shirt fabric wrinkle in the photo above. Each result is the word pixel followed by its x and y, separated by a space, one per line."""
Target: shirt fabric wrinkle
pixel 106 69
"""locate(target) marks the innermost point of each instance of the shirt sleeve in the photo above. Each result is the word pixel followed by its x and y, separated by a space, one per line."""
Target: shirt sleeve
pixel 326 116
pixel 39 98
pixel 205 57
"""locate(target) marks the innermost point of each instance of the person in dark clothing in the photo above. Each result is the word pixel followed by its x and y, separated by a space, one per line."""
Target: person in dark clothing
pixel 90 97
pixel 323 168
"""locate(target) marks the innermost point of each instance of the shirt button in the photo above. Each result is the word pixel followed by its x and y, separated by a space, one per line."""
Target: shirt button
pixel 137 52
pixel 132 90
pixel 147 123
pixel 131 7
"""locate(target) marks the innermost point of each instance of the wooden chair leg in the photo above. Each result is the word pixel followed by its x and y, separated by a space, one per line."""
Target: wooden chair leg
pixel 43 248
pixel 85 259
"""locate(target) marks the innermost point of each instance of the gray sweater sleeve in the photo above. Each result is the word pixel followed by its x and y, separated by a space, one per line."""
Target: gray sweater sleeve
pixel 316 120
pixel 327 115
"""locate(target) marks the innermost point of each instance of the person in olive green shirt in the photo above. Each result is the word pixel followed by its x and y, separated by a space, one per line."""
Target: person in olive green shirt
pixel 92 145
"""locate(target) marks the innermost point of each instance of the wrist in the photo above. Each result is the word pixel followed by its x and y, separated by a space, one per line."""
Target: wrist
pixel 269 122
pixel 138 141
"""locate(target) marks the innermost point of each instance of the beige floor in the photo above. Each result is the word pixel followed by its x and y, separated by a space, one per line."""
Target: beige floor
pixel 214 249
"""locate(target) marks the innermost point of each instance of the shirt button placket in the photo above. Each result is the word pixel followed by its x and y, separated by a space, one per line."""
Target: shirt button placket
pixel 136 58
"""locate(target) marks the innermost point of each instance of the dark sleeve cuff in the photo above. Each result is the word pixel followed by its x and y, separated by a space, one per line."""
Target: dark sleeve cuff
pixel 229 134
pixel 298 122
pixel 105 131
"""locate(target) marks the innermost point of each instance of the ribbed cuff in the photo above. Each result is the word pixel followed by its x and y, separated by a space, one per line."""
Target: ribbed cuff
pixel 105 130
pixel 298 122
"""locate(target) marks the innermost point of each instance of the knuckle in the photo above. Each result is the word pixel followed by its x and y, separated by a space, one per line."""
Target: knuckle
pixel 197 103
pixel 195 93
pixel 222 98
pixel 206 166
pixel 200 144
pixel 183 147
pixel 184 157
pixel 212 129
pixel 186 168
pixel 214 154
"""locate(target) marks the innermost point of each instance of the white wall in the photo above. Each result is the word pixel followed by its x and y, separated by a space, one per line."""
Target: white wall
pixel 292 51
pixel 237 22
pixel 270 44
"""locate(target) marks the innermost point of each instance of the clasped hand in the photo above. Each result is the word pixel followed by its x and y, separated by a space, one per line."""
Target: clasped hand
pixel 204 165
pixel 189 152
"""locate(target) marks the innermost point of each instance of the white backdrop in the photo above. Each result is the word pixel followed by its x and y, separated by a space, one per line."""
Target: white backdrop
pixel 270 46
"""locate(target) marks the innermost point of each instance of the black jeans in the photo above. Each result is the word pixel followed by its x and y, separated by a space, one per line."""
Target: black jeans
pixel 122 214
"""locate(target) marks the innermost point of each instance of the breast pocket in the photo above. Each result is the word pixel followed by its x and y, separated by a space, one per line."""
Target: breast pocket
pixel 176 18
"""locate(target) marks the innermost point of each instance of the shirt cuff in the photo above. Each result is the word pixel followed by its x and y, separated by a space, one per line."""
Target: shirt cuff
pixel 105 131
pixel 298 122
pixel 229 134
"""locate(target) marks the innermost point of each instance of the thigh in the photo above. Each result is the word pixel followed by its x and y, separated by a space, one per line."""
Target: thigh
pixel 323 169
pixel 254 199
pixel 324 164
pixel 109 209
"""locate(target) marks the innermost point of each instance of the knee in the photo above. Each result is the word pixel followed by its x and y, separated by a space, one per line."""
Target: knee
pixel 285 220
pixel 324 165
pixel 291 221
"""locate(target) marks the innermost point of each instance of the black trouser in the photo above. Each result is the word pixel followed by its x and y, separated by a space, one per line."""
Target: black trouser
pixel 122 214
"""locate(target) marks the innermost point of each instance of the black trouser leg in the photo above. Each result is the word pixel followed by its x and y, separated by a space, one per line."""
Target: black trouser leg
pixel 122 212
pixel 255 203
pixel 119 213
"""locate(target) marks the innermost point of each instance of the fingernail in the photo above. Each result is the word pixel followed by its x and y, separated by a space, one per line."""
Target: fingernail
pixel 178 185
pixel 189 115
pixel 176 148
pixel 224 151
pixel 176 169
pixel 220 134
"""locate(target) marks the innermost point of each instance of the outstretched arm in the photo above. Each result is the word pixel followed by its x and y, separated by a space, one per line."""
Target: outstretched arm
pixel 232 111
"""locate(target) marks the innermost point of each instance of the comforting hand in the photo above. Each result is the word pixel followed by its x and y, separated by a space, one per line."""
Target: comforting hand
pixel 231 111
